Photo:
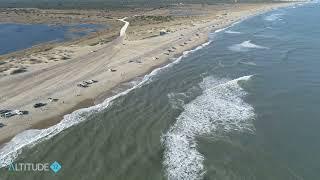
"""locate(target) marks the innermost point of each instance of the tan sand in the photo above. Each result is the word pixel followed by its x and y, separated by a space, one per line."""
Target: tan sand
pixel 60 79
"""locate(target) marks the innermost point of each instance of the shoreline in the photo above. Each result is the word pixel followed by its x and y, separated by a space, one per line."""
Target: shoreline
pixel 164 61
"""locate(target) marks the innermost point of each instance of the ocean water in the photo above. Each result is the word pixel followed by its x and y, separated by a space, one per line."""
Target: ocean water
pixel 15 37
pixel 244 106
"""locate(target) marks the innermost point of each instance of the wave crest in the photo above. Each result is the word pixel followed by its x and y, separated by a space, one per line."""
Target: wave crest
pixel 245 46
pixel 232 32
pixel 219 109
pixel 273 17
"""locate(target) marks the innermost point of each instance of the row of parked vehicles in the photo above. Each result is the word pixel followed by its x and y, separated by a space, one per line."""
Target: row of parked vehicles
pixel 10 113
pixel 6 113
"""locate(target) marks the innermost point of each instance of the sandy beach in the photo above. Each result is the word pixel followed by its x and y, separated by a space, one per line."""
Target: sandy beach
pixel 137 50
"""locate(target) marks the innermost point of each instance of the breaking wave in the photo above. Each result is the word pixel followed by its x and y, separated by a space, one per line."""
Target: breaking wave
pixel 176 100
pixel 245 46
pixel 248 63
pixel 220 109
pixel 232 32
pixel 273 17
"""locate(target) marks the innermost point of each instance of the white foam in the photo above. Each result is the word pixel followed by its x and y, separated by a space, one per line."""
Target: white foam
pixel 220 30
pixel 233 24
pixel 241 20
pixel 29 138
pixel 273 17
pixel 245 46
pixel 175 101
pixel 219 109
pixel 232 32
pixel 248 63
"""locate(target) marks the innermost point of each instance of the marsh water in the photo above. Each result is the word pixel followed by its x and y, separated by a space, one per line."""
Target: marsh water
pixel 14 37
pixel 243 107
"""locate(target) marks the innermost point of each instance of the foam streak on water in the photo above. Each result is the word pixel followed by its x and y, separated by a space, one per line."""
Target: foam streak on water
pixel 245 46
pixel 219 109
pixel 273 17
pixel 232 32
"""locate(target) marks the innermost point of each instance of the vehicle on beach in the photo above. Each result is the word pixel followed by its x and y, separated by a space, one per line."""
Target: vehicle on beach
pixel 17 112
pixel 38 105
pixel 91 81
pixel 11 113
pixel 53 100
pixel 112 70
pixel 8 114
pixel 86 83
pixel 4 111
pixel 82 85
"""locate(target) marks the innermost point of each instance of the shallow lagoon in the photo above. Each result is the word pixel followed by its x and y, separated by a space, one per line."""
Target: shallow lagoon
pixel 15 37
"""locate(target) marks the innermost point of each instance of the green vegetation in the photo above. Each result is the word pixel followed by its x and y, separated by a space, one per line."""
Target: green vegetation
pixel 142 20
pixel 155 18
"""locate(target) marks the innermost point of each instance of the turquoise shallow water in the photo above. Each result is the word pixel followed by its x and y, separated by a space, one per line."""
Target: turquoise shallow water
pixel 15 37
pixel 244 107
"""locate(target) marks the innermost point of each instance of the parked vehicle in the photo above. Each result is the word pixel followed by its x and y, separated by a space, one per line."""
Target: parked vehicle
pixel 86 83
pixel 38 105
pixel 17 112
pixel 4 111
pixel 91 81
pixel 82 85
pixel 25 112
pixel 8 114
pixel 53 100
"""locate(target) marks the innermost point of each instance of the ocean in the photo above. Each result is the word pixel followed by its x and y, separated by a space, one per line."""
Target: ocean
pixel 244 106
pixel 14 37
